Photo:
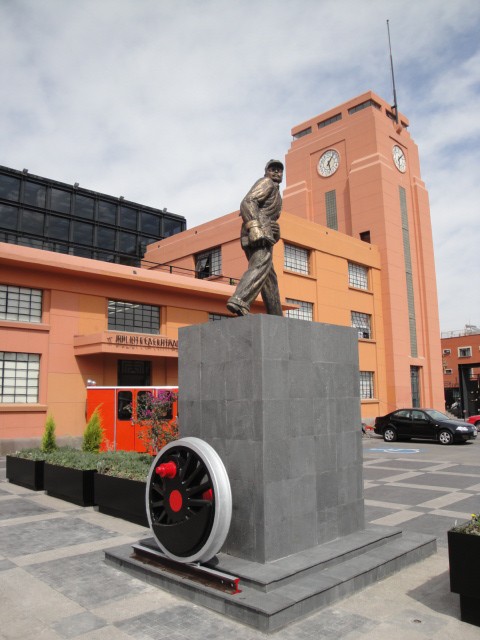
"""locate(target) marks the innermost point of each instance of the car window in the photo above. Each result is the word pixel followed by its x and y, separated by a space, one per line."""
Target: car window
pixel 419 415
pixel 403 413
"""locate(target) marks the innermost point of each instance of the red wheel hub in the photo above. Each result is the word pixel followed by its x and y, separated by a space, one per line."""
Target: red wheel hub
pixel 175 500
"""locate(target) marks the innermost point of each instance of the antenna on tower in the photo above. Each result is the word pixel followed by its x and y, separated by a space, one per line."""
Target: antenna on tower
pixel 395 105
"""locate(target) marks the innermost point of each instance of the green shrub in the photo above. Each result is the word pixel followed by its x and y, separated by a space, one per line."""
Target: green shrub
pixel 93 434
pixel 49 441
pixel 73 458
pixel 30 454
pixel 125 464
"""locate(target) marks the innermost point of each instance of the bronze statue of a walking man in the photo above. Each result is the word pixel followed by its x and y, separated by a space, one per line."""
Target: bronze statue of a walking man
pixel 260 210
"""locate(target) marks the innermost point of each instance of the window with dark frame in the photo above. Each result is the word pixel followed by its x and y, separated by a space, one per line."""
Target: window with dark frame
pixel 363 323
pixel 357 276
pixel 208 263
pixel 304 312
pixel 296 259
pixel 20 304
pixel 366 385
pixel 133 317
pixel 19 377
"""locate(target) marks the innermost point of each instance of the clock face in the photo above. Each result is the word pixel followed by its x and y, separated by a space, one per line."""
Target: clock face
pixel 399 158
pixel 328 163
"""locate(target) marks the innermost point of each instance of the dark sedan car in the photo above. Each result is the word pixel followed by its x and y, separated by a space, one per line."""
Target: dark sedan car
pixel 423 424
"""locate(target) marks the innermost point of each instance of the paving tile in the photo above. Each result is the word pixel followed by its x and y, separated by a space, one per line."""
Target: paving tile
pixel 450 480
pixel 18 540
pixel 401 494
pixel 86 579
pixel 78 624
pixel 17 507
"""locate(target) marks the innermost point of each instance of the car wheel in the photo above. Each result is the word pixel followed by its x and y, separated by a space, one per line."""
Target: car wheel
pixel 389 435
pixel 445 437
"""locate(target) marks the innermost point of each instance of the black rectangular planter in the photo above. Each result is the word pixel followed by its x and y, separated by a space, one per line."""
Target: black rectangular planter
pixel 27 473
pixel 121 497
pixel 73 485
pixel 464 559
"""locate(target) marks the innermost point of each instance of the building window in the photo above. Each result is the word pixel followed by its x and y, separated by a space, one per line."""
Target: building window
pixel 325 123
pixel 20 304
pixel 364 105
pixel 303 132
pixel 357 276
pixel 464 352
pixel 408 272
pixel 19 375
pixel 331 209
pixel 447 352
pixel 295 259
pixel 448 372
pixel 215 317
pixel 129 316
pixel 363 323
pixel 366 385
pixel 209 263
pixel 304 312
pixel 9 188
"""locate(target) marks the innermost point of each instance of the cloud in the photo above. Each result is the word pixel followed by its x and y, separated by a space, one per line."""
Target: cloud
pixel 179 103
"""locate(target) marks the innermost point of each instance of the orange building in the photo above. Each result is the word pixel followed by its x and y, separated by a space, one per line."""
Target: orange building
pixel 353 177
pixel 68 320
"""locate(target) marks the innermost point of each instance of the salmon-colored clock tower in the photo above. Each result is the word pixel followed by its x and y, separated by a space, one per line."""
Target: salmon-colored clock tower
pixel 356 169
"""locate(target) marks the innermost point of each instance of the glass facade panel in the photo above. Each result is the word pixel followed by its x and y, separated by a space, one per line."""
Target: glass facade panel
pixel 127 243
pixel 60 200
pixel 84 207
pixel 128 218
pixel 129 316
pixel 58 228
pixel 32 222
pixel 9 188
pixel 304 312
pixel 296 259
pixel 34 194
pixel 20 304
pixel 82 233
pixel 150 224
pixel 107 212
pixel 106 238
pixel 19 375
pixel 9 216
pixel 170 227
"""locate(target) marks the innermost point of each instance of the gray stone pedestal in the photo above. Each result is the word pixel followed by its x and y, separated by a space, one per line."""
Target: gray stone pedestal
pixel 278 399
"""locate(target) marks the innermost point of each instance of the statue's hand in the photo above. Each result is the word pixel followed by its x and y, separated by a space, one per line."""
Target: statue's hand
pixel 275 227
pixel 256 236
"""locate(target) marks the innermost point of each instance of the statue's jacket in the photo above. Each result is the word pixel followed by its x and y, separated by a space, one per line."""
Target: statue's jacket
pixel 262 203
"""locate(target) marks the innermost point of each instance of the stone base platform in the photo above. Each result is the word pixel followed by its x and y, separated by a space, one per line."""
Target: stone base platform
pixel 278 593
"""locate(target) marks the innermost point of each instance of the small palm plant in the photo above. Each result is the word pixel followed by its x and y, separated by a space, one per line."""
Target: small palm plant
pixel 93 434
pixel 49 440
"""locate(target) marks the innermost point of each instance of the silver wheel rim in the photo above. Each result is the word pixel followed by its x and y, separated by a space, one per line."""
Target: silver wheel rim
pixel 222 492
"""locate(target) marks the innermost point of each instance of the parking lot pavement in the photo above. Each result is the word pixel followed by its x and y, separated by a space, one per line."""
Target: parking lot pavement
pixel 54 583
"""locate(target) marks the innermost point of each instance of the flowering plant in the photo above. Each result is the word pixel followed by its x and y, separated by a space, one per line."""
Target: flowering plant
pixel 471 527
pixel 154 416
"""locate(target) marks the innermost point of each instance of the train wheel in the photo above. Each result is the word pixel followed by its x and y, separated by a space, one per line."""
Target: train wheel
pixel 189 500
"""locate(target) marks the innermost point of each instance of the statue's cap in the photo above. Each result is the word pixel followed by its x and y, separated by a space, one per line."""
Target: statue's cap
pixel 271 162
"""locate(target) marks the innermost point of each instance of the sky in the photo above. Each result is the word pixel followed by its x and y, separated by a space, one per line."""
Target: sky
pixel 179 103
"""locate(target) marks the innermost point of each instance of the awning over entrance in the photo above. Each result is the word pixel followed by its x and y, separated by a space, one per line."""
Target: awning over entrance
pixel 122 343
